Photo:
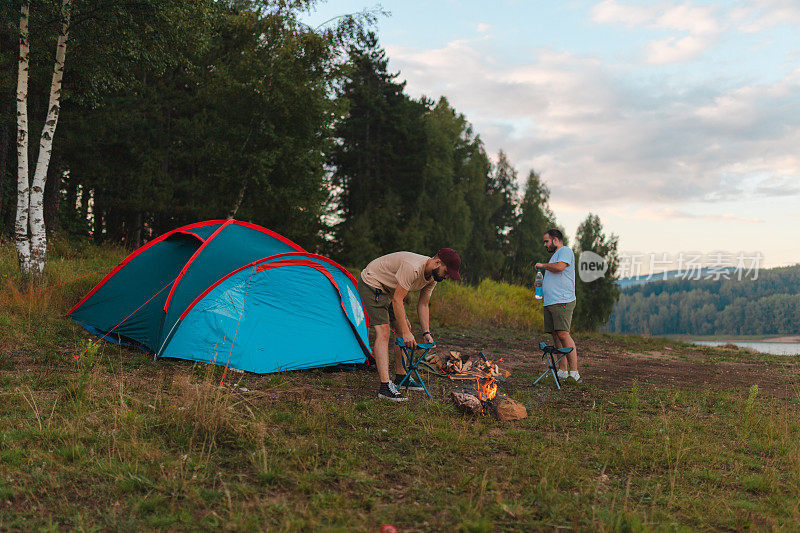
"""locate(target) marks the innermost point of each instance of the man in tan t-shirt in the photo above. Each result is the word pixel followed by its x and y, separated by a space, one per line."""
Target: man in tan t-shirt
pixel 383 285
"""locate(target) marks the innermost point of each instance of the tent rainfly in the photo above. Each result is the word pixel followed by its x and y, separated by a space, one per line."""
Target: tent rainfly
pixel 230 293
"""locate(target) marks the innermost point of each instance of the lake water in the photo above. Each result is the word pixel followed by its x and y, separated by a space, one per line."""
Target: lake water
pixel 777 348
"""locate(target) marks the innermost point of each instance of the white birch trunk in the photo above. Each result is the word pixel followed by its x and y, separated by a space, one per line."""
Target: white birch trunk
pixel 23 184
pixel 232 213
pixel 38 246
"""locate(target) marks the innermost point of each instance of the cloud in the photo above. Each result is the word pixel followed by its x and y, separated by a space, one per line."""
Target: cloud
pixel 671 214
pixel 694 29
pixel 760 15
pixel 482 27
pixel 778 186
pixel 688 18
pixel 611 12
pixel 598 138
pixel 675 50
pixel 748 16
pixel 683 17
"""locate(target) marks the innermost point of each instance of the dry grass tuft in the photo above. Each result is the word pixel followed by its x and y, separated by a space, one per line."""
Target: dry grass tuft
pixel 210 409
pixel 25 299
pixel 489 304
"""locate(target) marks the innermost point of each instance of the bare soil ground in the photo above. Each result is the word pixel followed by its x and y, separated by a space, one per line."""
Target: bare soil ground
pixel 607 362
pixel 611 363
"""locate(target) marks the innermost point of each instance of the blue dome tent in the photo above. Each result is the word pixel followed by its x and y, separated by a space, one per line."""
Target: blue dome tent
pixel 230 293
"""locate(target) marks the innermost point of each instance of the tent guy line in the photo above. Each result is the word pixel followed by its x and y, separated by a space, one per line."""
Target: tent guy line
pixel 123 320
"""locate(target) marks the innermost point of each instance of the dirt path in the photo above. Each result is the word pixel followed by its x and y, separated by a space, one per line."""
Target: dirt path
pixel 612 365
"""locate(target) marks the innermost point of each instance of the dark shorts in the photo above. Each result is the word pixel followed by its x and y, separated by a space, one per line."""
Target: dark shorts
pixel 377 303
pixel 558 317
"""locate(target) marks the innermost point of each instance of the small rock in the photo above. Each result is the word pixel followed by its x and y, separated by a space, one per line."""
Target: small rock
pixel 507 409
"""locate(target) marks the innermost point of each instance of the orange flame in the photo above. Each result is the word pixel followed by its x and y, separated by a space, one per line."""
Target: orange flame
pixel 487 390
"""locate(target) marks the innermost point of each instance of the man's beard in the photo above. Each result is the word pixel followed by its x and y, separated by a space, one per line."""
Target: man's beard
pixel 551 248
pixel 437 277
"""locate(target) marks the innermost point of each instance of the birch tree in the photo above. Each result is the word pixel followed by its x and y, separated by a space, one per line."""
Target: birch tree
pixel 23 184
pixel 29 226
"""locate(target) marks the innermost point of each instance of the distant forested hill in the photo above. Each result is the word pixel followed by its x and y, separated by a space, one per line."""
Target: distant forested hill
pixel 770 304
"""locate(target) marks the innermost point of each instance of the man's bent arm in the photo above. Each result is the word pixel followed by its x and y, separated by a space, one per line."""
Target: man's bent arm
pixel 400 310
pixel 423 312
pixel 400 316
pixel 552 267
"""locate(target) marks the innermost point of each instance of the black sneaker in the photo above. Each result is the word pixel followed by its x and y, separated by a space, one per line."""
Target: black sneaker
pixel 389 392
pixel 410 383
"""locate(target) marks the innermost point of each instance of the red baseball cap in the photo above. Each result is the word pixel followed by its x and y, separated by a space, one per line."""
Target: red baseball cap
pixel 451 260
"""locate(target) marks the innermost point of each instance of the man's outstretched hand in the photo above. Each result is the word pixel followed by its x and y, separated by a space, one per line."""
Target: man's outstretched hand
pixel 428 338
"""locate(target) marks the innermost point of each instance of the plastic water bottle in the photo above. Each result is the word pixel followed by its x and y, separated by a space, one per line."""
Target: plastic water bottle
pixel 537 285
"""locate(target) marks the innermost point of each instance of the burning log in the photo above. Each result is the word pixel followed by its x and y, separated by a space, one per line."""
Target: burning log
pixel 501 407
pixel 466 403
pixel 485 400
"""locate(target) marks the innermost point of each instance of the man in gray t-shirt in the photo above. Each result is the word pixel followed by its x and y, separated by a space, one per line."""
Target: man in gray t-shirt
pixel 558 291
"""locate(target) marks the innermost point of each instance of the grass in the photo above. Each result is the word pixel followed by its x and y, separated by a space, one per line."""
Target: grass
pixel 163 447
pixel 114 440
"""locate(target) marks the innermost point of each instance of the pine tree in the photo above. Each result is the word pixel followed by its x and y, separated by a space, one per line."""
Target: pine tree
pixel 503 186
pixel 535 218
pixel 443 213
pixel 379 159
pixel 596 299
pixel 483 257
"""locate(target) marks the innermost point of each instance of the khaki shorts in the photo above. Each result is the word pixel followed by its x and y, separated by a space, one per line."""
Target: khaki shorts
pixel 377 303
pixel 558 317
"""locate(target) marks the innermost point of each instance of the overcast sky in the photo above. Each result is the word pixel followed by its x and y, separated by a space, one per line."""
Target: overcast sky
pixel 678 123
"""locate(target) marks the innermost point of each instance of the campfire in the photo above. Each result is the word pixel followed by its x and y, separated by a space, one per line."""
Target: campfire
pixel 483 399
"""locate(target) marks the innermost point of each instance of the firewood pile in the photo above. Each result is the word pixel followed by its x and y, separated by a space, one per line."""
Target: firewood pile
pixel 461 366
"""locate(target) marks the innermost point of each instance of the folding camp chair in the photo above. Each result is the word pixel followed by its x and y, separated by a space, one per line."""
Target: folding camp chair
pixel 548 354
pixel 410 362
